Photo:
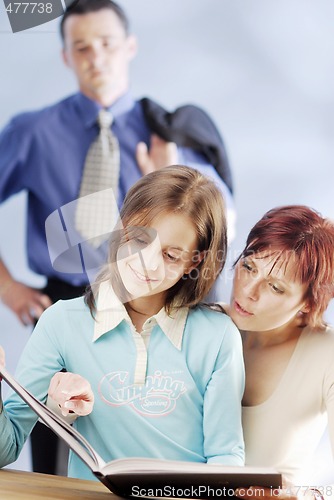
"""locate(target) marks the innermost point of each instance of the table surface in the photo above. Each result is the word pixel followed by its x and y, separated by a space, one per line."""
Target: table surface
pixel 32 486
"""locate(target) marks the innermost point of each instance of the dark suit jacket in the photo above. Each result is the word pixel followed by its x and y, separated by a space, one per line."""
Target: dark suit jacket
pixel 190 126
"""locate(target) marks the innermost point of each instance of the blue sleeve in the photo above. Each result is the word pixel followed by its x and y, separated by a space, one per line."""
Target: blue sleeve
pixel 15 143
pixel 222 403
pixel 40 360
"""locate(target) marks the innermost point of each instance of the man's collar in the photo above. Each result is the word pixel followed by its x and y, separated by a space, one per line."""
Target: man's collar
pixel 110 312
pixel 89 109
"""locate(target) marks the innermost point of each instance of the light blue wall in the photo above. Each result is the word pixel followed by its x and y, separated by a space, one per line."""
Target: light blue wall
pixel 262 68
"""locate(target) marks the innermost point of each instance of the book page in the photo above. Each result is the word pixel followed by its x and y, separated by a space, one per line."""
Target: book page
pixel 152 465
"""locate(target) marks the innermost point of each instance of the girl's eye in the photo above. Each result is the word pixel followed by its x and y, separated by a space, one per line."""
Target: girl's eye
pixel 276 289
pixel 246 266
pixel 169 256
pixel 140 241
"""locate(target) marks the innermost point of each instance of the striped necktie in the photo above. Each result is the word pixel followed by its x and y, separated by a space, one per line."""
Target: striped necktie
pixel 97 211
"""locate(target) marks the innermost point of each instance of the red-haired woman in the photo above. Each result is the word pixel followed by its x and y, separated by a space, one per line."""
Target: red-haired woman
pixel 284 281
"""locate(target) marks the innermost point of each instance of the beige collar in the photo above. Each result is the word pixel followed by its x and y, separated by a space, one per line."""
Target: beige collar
pixel 110 312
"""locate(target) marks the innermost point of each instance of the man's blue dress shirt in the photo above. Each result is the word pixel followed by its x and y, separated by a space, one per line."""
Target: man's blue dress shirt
pixel 43 152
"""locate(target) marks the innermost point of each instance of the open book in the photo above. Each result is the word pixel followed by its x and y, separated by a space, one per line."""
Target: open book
pixel 145 477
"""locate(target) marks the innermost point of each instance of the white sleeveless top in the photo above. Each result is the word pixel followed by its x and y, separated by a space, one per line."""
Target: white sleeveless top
pixel 283 431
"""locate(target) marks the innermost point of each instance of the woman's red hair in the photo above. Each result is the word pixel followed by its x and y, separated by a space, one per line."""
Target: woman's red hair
pixel 302 233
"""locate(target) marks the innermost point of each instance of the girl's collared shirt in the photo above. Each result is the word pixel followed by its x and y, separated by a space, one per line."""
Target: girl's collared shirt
pixel 188 409
pixel 110 312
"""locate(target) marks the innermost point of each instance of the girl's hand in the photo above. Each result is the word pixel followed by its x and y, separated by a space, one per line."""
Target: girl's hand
pixel 72 393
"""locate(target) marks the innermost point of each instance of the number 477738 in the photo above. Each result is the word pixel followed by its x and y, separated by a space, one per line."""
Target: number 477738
pixel 29 8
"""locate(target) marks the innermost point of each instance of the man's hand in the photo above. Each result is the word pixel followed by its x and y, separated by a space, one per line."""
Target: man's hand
pixel 72 393
pixel 27 303
pixel 161 154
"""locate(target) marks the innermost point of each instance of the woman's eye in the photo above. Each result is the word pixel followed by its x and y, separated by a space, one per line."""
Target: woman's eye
pixel 276 289
pixel 246 266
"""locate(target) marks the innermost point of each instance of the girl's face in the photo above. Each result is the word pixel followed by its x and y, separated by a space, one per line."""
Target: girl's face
pixel 155 258
pixel 265 297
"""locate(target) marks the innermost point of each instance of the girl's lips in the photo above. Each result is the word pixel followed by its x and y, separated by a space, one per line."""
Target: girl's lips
pixel 241 310
pixel 141 277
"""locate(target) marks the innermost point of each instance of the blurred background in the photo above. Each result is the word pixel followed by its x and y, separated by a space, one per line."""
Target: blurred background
pixel 263 70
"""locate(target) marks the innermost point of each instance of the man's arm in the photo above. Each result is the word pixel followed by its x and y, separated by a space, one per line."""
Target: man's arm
pixel 25 302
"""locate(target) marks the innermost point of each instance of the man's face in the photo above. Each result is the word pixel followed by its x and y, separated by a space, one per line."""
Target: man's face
pixel 98 50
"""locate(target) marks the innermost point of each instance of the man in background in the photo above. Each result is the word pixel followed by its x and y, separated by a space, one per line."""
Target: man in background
pixel 44 153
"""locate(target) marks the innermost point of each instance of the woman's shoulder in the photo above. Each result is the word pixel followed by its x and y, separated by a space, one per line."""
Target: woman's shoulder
pixel 319 343
pixel 320 335
pixel 329 331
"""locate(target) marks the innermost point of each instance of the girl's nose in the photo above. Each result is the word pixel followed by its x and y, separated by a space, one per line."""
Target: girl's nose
pixel 153 255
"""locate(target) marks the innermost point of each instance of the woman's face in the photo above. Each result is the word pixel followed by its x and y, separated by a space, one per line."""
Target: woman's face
pixel 265 297
pixel 155 258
